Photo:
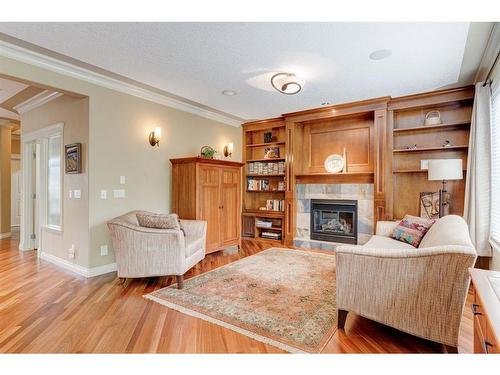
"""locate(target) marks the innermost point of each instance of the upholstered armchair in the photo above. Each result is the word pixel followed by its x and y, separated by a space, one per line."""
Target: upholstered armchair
pixel 148 252
pixel 421 291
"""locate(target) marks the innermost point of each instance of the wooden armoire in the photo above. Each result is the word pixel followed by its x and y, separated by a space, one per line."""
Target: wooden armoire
pixel 210 190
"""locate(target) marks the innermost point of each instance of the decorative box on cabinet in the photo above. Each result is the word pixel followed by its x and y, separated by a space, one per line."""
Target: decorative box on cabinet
pixel 210 190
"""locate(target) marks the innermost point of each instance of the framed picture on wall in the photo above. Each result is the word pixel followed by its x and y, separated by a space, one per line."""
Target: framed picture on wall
pixel 73 159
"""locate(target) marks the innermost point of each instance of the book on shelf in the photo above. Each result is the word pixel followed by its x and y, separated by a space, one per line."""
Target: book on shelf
pixel 275 205
pixel 257 185
pixel 271 235
pixel 261 223
pixel 265 168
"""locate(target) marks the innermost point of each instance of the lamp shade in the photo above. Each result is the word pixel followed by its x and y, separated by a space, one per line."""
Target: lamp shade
pixel 445 169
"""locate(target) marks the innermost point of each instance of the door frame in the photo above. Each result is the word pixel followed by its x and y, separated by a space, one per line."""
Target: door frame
pixel 15 157
pixel 40 137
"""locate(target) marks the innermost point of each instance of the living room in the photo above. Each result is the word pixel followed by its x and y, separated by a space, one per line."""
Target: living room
pixel 189 187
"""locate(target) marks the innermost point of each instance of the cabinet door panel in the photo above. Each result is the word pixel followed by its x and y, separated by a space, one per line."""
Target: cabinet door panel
pixel 230 203
pixel 210 203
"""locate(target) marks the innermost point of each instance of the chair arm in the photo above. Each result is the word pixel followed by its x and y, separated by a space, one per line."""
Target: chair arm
pixel 196 228
pixel 419 291
pixel 406 253
pixel 385 228
pixel 139 228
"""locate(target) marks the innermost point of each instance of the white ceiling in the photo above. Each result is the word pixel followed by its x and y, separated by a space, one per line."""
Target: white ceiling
pixel 199 60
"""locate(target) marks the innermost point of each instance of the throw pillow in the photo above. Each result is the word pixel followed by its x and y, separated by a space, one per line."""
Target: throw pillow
pixel 412 229
pixel 159 221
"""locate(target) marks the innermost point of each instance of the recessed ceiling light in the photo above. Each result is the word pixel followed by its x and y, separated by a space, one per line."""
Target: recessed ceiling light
pixel 229 92
pixel 380 54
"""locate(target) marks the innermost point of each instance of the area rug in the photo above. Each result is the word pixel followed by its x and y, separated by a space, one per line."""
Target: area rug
pixel 282 297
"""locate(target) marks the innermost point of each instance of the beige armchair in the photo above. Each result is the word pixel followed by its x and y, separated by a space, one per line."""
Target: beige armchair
pixel 148 252
pixel 420 291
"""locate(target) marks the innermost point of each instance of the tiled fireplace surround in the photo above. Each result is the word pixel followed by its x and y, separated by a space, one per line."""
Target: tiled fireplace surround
pixel 363 193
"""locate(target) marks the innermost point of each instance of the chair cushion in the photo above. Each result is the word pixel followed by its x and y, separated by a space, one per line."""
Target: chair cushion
pixel 383 242
pixel 193 245
pixel 412 229
pixel 159 221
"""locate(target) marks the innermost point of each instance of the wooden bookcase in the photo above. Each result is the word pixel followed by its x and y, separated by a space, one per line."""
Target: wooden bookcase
pixel 270 182
pixel 407 116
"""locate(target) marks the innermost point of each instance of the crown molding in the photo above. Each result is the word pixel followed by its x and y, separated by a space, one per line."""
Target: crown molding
pixel 9 115
pixel 28 56
pixel 36 101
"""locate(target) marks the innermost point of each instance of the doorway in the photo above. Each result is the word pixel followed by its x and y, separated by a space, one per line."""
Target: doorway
pixel 41 191
pixel 15 194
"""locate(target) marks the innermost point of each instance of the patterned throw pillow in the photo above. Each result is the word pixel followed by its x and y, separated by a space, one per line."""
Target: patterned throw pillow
pixel 412 229
pixel 159 221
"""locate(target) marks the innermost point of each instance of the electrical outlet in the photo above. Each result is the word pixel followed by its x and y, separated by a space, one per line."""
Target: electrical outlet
pixel 122 180
pixel 77 194
pixel 104 250
pixel 104 194
pixel 71 252
pixel 120 193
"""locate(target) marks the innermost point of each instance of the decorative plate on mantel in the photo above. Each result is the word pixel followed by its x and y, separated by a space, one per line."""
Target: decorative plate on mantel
pixel 334 163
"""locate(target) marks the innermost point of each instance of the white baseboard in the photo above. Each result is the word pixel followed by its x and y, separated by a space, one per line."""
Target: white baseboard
pixel 80 270
pixel 5 235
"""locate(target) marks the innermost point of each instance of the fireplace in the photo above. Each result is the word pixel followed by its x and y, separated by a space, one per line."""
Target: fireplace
pixel 334 220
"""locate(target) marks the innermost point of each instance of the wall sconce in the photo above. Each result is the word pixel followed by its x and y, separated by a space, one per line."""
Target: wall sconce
pixel 228 149
pixel 154 137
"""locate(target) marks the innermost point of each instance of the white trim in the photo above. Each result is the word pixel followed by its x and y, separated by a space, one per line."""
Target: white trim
pixel 43 133
pixel 101 270
pixel 5 235
pixel 75 268
pixel 55 65
pixel 36 101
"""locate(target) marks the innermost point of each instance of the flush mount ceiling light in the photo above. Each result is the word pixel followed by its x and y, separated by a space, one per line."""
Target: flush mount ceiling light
pixel 229 92
pixel 380 54
pixel 287 83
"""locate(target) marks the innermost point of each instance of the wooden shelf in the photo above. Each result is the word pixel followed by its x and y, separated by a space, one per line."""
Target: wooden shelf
pixel 265 191
pixel 415 171
pixel 265 175
pixel 268 239
pixel 269 228
pixel 424 149
pixel 266 144
pixel 264 213
pixel 432 127
pixel 350 177
pixel 266 160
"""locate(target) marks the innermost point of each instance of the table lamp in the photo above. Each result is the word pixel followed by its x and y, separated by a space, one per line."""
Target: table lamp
pixel 444 170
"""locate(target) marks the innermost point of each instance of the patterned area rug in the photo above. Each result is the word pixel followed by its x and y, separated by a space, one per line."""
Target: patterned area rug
pixel 282 297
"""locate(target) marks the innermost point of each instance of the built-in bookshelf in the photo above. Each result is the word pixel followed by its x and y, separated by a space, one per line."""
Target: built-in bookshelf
pixel 264 156
pixel 413 142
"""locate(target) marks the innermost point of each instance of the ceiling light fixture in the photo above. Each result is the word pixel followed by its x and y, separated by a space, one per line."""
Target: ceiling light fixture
pixel 229 92
pixel 380 54
pixel 287 83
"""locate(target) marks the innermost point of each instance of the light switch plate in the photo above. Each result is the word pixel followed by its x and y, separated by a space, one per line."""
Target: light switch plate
pixel 77 194
pixel 119 193
pixel 70 194
pixel 122 180
pixel 104 194
pixel 104 250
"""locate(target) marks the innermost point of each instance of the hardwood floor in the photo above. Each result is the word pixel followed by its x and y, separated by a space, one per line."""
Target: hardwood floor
pixel 44 309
